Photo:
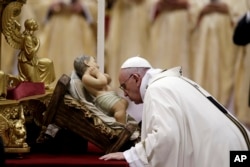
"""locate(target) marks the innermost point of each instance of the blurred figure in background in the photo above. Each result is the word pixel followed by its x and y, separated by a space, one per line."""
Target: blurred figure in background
pixel 37 10
pixel 169 33
pixel 68 32
pixel 127 35
pixel 212 50
pixel 241 37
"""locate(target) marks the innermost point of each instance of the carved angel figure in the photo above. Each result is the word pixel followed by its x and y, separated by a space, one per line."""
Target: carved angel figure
pixel 30 67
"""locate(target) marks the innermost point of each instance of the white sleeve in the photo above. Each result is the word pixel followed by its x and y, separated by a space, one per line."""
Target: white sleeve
pixel 132 158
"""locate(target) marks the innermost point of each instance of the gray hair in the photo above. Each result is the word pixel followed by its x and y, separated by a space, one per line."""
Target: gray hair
pixel 80 66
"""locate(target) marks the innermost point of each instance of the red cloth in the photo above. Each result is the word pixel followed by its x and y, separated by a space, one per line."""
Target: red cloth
pixel 25 89
pixel 90 159
pixel 45 160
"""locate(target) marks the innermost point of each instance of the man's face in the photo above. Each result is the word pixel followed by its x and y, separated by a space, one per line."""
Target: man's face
pixel 130 84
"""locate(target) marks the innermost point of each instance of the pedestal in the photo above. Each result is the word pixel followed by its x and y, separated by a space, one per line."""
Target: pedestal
pixel 14 114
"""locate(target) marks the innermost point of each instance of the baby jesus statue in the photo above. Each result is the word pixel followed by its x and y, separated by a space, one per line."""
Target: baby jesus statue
pixel 97 85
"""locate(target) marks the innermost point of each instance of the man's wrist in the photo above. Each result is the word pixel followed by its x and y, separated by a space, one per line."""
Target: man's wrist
pixel 130 155
pixel 132 158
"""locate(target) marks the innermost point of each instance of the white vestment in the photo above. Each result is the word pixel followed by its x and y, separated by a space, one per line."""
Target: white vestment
pixel 181 127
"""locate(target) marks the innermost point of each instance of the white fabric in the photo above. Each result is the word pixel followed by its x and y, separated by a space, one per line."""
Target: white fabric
pixel 133 159
pixel 127 35
pixel 248 16
pixel 76 88
pixel 136 62
pixel 181 127
pixel 150 73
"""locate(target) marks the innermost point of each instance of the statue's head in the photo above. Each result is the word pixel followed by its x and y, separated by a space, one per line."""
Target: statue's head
pixel 81 65
pixel 31 25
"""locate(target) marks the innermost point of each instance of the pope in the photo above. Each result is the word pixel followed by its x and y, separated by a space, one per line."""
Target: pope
pixel 182 124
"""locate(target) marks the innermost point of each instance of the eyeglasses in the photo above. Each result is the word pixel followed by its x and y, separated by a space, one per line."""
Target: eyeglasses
pixel 123 85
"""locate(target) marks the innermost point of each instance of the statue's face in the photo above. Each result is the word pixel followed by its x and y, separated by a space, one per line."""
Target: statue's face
pixel 19 129
pixel 92 62
pixel 31 25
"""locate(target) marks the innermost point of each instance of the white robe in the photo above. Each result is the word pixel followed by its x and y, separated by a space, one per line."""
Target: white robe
pixel 181 127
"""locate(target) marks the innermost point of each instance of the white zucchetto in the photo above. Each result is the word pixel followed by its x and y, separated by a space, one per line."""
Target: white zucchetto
pixel 136 62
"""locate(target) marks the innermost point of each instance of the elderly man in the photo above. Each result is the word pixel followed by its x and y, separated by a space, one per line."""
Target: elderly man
pixel 182 124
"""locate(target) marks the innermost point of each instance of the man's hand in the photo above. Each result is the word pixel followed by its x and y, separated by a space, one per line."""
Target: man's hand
pixel 113 156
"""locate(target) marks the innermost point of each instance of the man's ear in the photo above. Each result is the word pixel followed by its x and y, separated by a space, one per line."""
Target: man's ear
pixel 136 77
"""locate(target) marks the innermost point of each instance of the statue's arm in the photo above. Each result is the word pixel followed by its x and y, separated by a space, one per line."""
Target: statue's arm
pixel 31 46
pixel 94 78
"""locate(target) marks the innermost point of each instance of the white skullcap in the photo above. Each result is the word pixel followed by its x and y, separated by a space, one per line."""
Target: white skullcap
pixel 136 62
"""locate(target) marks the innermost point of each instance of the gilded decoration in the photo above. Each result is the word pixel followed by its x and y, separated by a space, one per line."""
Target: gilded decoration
pixel 15 114
pixel 12 127
pixel 30 66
